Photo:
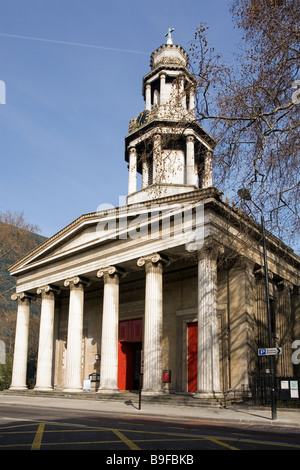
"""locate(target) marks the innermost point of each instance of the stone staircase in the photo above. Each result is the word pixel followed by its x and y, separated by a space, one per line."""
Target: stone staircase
pixel 172 399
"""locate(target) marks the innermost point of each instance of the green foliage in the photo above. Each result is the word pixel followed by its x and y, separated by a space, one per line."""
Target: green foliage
pixel 5 374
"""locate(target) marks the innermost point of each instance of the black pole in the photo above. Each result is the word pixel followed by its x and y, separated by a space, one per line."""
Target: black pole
pixel 140 391
pixel 245 194
pixel 272 372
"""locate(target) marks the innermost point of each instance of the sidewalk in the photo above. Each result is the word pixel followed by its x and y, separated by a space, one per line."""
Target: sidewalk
pixel 232 414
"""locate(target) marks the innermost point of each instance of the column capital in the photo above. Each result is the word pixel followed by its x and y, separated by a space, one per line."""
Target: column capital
pixel 259 273
pixel 132 148
pixel 111 271
pixel 211 248
pixel 241 261
pixel 22 296
pixel 157 135
pixel 296 290
pixel 48 289
pixel 153 258
pixel 285 285
pixel 190 138
pixel 76 281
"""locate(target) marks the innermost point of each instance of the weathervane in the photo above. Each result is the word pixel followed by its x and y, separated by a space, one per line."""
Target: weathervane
pixel 169 40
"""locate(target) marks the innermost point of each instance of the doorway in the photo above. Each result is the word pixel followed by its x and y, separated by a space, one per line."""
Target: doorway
pixel 129 365
pixel 129 354
pixel 192 359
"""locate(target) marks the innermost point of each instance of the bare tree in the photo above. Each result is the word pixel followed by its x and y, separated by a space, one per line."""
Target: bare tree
pixel 17 237
pixel 252 109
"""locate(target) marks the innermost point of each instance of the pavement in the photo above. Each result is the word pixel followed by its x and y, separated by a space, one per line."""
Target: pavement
pixel 235 414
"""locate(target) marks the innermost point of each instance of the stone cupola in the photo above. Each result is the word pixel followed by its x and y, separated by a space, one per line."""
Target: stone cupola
pixel 165 144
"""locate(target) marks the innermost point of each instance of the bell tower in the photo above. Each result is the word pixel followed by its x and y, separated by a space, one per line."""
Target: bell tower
pixel 165 144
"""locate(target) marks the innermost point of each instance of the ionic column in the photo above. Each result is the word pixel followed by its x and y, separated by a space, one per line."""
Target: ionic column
pixel 208 377
pixel 162 99
pixel 110 329
pixel 148 97
pixel 157 169
pixel 152 378
pixel 192 99
pixel 207 180
pixel 75 332
pixel 191 175
pixel 45 352
pixel 21 342
pixel 145 175
pixel 132 179
pixel 182 92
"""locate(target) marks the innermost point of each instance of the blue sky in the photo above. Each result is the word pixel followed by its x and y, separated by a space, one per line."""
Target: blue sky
pixel 73 74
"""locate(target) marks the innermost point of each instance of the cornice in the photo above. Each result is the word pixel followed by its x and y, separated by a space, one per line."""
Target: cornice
pixel 180 127
pixel 210 197
pixel 168 47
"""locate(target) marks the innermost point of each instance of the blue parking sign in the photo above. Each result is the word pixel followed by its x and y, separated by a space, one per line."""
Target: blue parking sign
pixel 262 352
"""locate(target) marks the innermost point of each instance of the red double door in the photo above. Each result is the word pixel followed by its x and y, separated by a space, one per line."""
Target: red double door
pixel 192 329
pixel 129 354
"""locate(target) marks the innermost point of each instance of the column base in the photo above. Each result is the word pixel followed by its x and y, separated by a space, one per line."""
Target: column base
pixel 43 389
pixel 152 392
pixel 72 390
pixel 108 391
pixel 208 395
pixel 18 387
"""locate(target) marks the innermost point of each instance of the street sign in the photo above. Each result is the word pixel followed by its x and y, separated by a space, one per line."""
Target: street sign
pixel 269 351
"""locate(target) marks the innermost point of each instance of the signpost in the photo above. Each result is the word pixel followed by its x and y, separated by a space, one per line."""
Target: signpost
pixel 269 351
pixel 141 378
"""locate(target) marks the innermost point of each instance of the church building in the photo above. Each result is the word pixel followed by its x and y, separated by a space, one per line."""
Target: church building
pixel 170 284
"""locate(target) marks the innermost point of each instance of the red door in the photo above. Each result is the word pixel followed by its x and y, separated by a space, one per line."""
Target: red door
pixel 130 337
pixel 192 356
pixel 125 361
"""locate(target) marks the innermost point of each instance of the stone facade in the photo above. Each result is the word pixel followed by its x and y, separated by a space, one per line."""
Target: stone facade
pixel 173 281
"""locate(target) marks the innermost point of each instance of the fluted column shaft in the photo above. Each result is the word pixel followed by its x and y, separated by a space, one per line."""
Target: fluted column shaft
pixel 207 179
pixel 45 351
pixel 21 342
pixel 192 99
pixel 145 175
pixel 208 377
pixel 110 329
pixel 153 325
pixel 157 170
pixel 148 97
pixel 162 99
pixel 73 382
pixel 191 175
pixel 132 179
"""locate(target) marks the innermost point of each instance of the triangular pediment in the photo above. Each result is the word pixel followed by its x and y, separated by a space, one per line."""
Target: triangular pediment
pixel 121 232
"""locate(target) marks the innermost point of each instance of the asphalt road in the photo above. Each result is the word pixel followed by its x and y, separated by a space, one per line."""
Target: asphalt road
pixel 24 427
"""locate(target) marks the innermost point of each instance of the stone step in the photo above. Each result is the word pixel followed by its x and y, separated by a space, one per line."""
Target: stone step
pixel 165 399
